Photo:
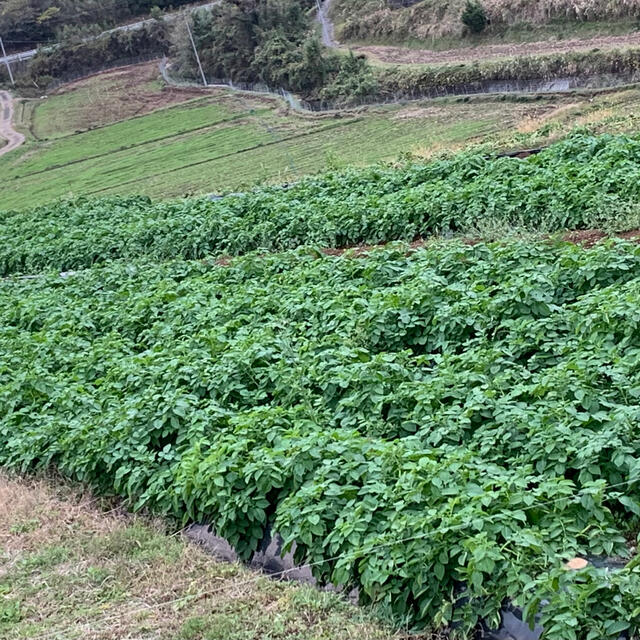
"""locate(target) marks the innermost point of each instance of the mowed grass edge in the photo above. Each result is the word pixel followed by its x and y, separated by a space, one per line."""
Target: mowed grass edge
pixel 73 566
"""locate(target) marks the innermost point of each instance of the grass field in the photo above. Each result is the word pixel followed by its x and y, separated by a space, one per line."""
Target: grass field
pixel 68 570
pixel 208 142
pixel 189 142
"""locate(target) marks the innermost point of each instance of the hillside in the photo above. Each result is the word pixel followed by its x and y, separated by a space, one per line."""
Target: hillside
pixel 375 310
pixel 123 132
pixel 441 425
pixel 24 24
pixel 438 24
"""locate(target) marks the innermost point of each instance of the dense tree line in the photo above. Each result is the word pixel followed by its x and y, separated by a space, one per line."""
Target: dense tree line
pixel 75 59
pixel 272 42
pixel 26 23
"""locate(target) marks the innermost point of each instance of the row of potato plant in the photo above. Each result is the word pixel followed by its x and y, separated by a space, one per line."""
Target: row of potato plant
pixel 442 429
pixel 580 182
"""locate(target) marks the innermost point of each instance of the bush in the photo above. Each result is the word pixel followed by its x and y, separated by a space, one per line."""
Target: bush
pixel 462 417
pixel 474 17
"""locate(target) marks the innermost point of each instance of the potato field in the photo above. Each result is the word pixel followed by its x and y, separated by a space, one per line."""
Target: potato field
pixel 442 428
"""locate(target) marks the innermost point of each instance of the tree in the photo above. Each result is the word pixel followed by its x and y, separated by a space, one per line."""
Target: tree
pixel 474 17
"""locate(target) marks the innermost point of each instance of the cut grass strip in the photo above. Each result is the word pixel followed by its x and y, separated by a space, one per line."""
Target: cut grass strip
pixel 69 570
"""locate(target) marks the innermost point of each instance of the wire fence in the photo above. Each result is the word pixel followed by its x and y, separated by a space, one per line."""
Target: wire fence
pixel 482 87
pixel 123 61
pixel 65 78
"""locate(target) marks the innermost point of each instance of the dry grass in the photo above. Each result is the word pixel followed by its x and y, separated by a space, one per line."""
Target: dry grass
pixel 542 11
pixel 530 124
pixel 439 18
pixel 68 570
pixel 436 150
pixel 105 98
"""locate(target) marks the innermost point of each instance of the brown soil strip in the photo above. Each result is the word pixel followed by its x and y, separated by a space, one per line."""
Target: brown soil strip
pixel 122 93
pixel 590 237
pixel 586 238
pixel 401 55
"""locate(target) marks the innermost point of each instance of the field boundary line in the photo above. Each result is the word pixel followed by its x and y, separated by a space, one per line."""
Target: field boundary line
pixel 110 124
pixel 232 153
pixel 133 146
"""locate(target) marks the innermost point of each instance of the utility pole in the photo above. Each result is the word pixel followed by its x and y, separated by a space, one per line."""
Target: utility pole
pixel 195 50
pixel 6 60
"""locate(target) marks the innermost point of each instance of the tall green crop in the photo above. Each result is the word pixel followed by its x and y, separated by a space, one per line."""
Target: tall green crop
pixel 574 184
pixel 442 429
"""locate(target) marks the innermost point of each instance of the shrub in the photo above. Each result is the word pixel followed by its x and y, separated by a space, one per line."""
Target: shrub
pixel 474 17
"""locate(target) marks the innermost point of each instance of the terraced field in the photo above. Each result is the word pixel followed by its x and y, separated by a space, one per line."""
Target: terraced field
pixel 217 142
pixel 443 425
pixel 190 143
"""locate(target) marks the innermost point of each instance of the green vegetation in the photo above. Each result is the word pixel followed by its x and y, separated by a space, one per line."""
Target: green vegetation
pixel 415 81
pixel 474 17
pixel 76 58
pixel 463 415
pixel 115 576
pixel 26 23
pixel 98 101
pixel 221 141
pixel 581 182
pixel 271 42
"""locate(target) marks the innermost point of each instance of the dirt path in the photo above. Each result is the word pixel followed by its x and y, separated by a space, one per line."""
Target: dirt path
pixel 7 131
pixel 326 24
pixel 401 55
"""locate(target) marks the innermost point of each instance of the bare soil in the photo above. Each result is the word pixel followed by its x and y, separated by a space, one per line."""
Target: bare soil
pixel 586 238
pixel 401 55
pixel 590 237
pixel 122 93
pixel 7 132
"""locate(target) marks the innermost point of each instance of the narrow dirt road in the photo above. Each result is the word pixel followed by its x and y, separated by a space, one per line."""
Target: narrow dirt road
pixel 7 131
pixel 326 24
pixel 401 55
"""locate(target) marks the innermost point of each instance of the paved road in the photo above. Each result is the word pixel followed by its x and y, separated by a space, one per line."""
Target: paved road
pixel 26 55
pixel 6 124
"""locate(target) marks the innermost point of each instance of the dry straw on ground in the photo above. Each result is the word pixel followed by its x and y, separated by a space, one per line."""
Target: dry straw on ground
pixel 76 567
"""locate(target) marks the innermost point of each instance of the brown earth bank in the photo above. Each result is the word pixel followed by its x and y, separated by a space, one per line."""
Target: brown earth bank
pixel 124 92
pixel 586 238
pixel 402 55
pixel 590 237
